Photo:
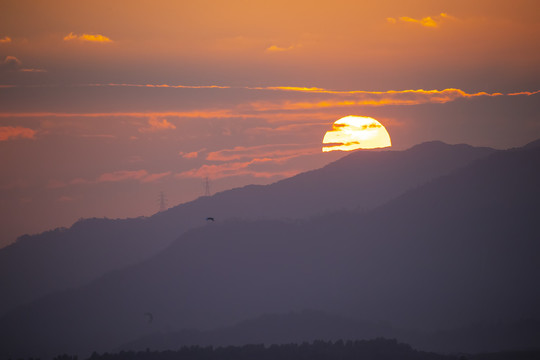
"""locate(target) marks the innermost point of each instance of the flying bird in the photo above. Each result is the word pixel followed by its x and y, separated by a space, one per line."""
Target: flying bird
pixel 210 219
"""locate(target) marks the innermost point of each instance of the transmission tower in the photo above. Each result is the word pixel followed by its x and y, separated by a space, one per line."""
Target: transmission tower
pixel 206 186
pixel 162 202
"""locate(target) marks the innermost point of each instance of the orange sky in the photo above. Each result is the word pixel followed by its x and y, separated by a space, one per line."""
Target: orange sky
pixel 103 104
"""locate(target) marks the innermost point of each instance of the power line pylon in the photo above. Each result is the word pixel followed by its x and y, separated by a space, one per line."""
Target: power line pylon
pixel 206 186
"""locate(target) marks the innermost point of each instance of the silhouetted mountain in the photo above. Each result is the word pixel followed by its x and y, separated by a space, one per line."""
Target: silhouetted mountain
pixel 63 258
pixel 381 349
pixel 57 260
pixel 462 248
pixel 481 338
pixel 532 144
pixel 310 325
pixel 317 325
pixel 294 327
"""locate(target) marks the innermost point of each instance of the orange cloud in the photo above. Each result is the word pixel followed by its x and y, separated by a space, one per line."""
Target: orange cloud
pixel 190 155
pixel 153 177
pixel 87 37
pixel 341 98
pixel 16 132
pixel 5 40
pixel 322 99
pixel 164 86
pixel 122 176
pixel 256 161
pixel 428 21
pixel 528 93
pixel 226 113
pixel 370 98
pixel 157 125
pixel 235 169
pixel 275 48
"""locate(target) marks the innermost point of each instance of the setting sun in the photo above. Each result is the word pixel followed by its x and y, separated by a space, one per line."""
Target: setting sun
pixel 356 132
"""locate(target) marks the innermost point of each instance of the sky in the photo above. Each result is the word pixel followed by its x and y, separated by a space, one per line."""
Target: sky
pixel 106 104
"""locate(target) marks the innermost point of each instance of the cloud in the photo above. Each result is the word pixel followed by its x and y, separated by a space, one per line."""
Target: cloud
pixel 370 98
pixel 32 70
pixel 209 114
pixel 190 155
pixel 235 169
pixel 154 124
pixel 528 93
pixel 428 21
pixel 154 177
pixel 12 64
pixel 16 132
pixel 315 90
pixel 275 48
pixel 288 128
pixel 273 151
pixel 87 38
pixel 263 161
pixel 142 176
pixel 164 86
pixel 5 40
pixel 285 110
pixel 122 175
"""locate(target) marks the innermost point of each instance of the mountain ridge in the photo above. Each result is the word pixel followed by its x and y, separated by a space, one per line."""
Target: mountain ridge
pixel 310 325
pixel 63 258
pixel 407 254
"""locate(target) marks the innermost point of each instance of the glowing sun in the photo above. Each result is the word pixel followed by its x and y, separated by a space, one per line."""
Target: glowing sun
pixel 356 132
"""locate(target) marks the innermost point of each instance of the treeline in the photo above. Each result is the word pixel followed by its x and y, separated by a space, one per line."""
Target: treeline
pixel 379 349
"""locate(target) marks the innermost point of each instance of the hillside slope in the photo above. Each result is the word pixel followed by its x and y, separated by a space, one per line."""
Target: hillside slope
pixel 57 260
pixel 459 249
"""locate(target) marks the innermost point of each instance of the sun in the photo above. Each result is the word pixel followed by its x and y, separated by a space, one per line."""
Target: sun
pixel 356 132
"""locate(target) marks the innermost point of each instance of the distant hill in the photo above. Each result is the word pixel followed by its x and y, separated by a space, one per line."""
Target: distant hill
pixel 521 334
pixel 380 349
pixel 268 329
pixel 461 248
pixel 311 325
pixel 64 258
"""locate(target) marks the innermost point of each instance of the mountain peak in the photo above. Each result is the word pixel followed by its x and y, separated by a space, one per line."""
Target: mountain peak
pixel 533 144
pixel 435 145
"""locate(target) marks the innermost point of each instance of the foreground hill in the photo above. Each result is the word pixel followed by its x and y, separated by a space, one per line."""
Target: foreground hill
pixel 311 325
pixel 462 248
pixel 268 329
pixel 381 349
pixel 57 260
